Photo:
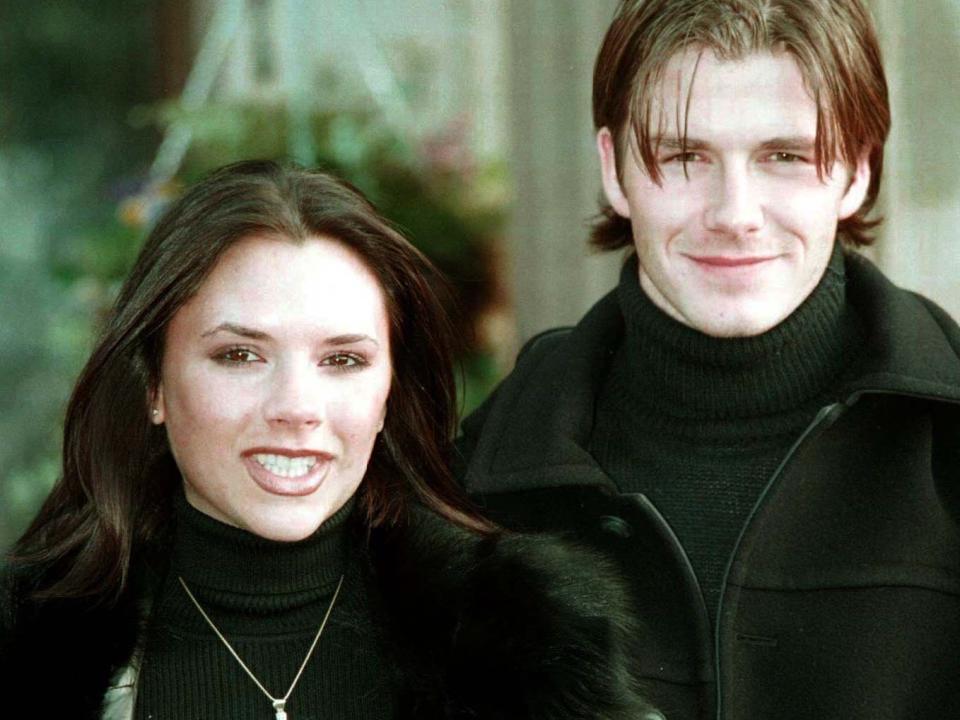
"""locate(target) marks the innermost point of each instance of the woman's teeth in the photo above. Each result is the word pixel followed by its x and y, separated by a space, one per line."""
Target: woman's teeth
pixel 283 466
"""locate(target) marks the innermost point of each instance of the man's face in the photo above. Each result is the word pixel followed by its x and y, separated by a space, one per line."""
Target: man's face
pixel 732 247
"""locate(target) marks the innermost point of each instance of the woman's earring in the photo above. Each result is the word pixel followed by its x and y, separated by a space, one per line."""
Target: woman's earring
pixel 155 414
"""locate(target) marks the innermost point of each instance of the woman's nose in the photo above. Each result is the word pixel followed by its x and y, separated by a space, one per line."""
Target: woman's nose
pixel 295 397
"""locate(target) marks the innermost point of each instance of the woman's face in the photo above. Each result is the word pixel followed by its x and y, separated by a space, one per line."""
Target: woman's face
pixel 274 382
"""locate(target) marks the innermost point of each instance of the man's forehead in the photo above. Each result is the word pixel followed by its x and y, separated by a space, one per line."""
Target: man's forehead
pixel 763 95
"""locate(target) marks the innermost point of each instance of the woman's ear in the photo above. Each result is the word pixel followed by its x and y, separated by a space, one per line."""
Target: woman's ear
pixel 155 402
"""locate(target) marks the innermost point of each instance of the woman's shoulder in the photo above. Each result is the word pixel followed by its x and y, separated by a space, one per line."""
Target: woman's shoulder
pixel 73 644
pixel 15 579
pixel 7 606
pixel 509 621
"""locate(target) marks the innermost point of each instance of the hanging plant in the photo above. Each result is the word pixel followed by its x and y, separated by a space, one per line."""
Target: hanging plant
pixel 448 203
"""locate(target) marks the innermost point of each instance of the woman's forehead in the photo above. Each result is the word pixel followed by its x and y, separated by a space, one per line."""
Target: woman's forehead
pixel 274 284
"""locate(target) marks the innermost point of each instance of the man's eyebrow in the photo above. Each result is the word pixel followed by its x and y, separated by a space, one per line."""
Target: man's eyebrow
pixel 237 329
pixel 672 142
pixel 791 142
pixel 787 142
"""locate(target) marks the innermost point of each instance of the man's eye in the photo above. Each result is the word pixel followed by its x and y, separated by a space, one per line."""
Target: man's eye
pixel 687 157
pixel 238 356
pixel 787 157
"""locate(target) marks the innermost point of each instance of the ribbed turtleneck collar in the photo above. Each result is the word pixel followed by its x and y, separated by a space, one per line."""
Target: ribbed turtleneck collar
pixel 247 582
pixel 674 371
pixel 217 556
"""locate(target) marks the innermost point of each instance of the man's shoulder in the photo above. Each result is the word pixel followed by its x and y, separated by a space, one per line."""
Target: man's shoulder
pixel 538 360
pixel 566 351
pixel 541 350
pixel 556 374
pixel 913 344
pixel 946 322
pixel 544 342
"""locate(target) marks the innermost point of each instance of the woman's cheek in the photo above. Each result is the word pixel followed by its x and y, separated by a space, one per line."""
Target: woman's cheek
pixel 363 407
pixel 217 413
pixel 357 420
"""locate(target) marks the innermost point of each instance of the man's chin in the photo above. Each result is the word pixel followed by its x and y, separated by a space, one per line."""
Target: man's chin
pixel 737 321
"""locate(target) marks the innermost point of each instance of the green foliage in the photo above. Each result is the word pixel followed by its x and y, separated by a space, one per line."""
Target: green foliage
pixel 447 203
pixel 70 71
pixel 45 334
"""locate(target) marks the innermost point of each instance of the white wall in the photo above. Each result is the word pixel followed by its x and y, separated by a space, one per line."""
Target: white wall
pixel 551 47
pixel 918 245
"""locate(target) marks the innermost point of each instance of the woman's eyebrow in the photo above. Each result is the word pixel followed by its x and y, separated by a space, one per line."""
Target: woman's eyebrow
pixel 254 334
pixel 350 339
pixel 237 329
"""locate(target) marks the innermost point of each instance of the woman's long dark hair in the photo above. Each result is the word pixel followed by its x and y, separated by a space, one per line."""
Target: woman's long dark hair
pixel 118 475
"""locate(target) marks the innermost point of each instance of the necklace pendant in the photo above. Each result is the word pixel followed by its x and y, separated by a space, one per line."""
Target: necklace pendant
pixel 278 707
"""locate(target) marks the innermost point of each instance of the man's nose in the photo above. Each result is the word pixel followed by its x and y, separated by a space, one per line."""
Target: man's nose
pixel 736 207
pixel 295 397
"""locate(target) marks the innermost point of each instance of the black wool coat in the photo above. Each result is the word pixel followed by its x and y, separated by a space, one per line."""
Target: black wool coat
pixel 842 596
pixel 499 627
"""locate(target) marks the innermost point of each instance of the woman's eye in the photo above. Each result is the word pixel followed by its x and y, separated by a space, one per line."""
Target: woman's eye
pixel 238 356
pixel 344 361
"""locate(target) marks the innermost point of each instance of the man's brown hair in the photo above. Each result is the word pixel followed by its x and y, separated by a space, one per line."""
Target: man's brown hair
pixel 833 42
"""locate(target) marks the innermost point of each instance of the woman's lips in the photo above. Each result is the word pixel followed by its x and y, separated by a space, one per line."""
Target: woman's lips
pixel 290 483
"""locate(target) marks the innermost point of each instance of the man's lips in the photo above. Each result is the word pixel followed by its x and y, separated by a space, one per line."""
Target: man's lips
pixel 730 261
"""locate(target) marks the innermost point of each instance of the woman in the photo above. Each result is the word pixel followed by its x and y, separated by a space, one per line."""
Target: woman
pixel 256 513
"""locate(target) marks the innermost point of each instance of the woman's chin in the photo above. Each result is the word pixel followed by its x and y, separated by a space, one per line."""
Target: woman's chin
pixel 291 522
pixel 284 529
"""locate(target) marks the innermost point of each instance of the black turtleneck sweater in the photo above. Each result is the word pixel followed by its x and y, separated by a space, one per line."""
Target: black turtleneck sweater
pixel 268 599
pixel 699 424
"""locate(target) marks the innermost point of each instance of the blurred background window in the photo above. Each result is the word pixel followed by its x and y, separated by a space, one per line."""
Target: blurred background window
pixel 466 121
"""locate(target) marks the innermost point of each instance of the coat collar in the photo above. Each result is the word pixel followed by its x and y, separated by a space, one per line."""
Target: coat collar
pixel 535 431
pixel 913 346
pixel 539 421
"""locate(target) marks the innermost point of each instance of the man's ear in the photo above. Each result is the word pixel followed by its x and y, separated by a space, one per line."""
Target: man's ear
pixel 857 189
pixel 158 410
pixel 606 148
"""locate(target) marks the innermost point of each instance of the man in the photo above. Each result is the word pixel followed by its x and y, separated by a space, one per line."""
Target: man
pixel 756 423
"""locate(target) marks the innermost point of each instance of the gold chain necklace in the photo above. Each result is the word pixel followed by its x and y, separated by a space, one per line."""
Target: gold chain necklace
pixel 279 704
